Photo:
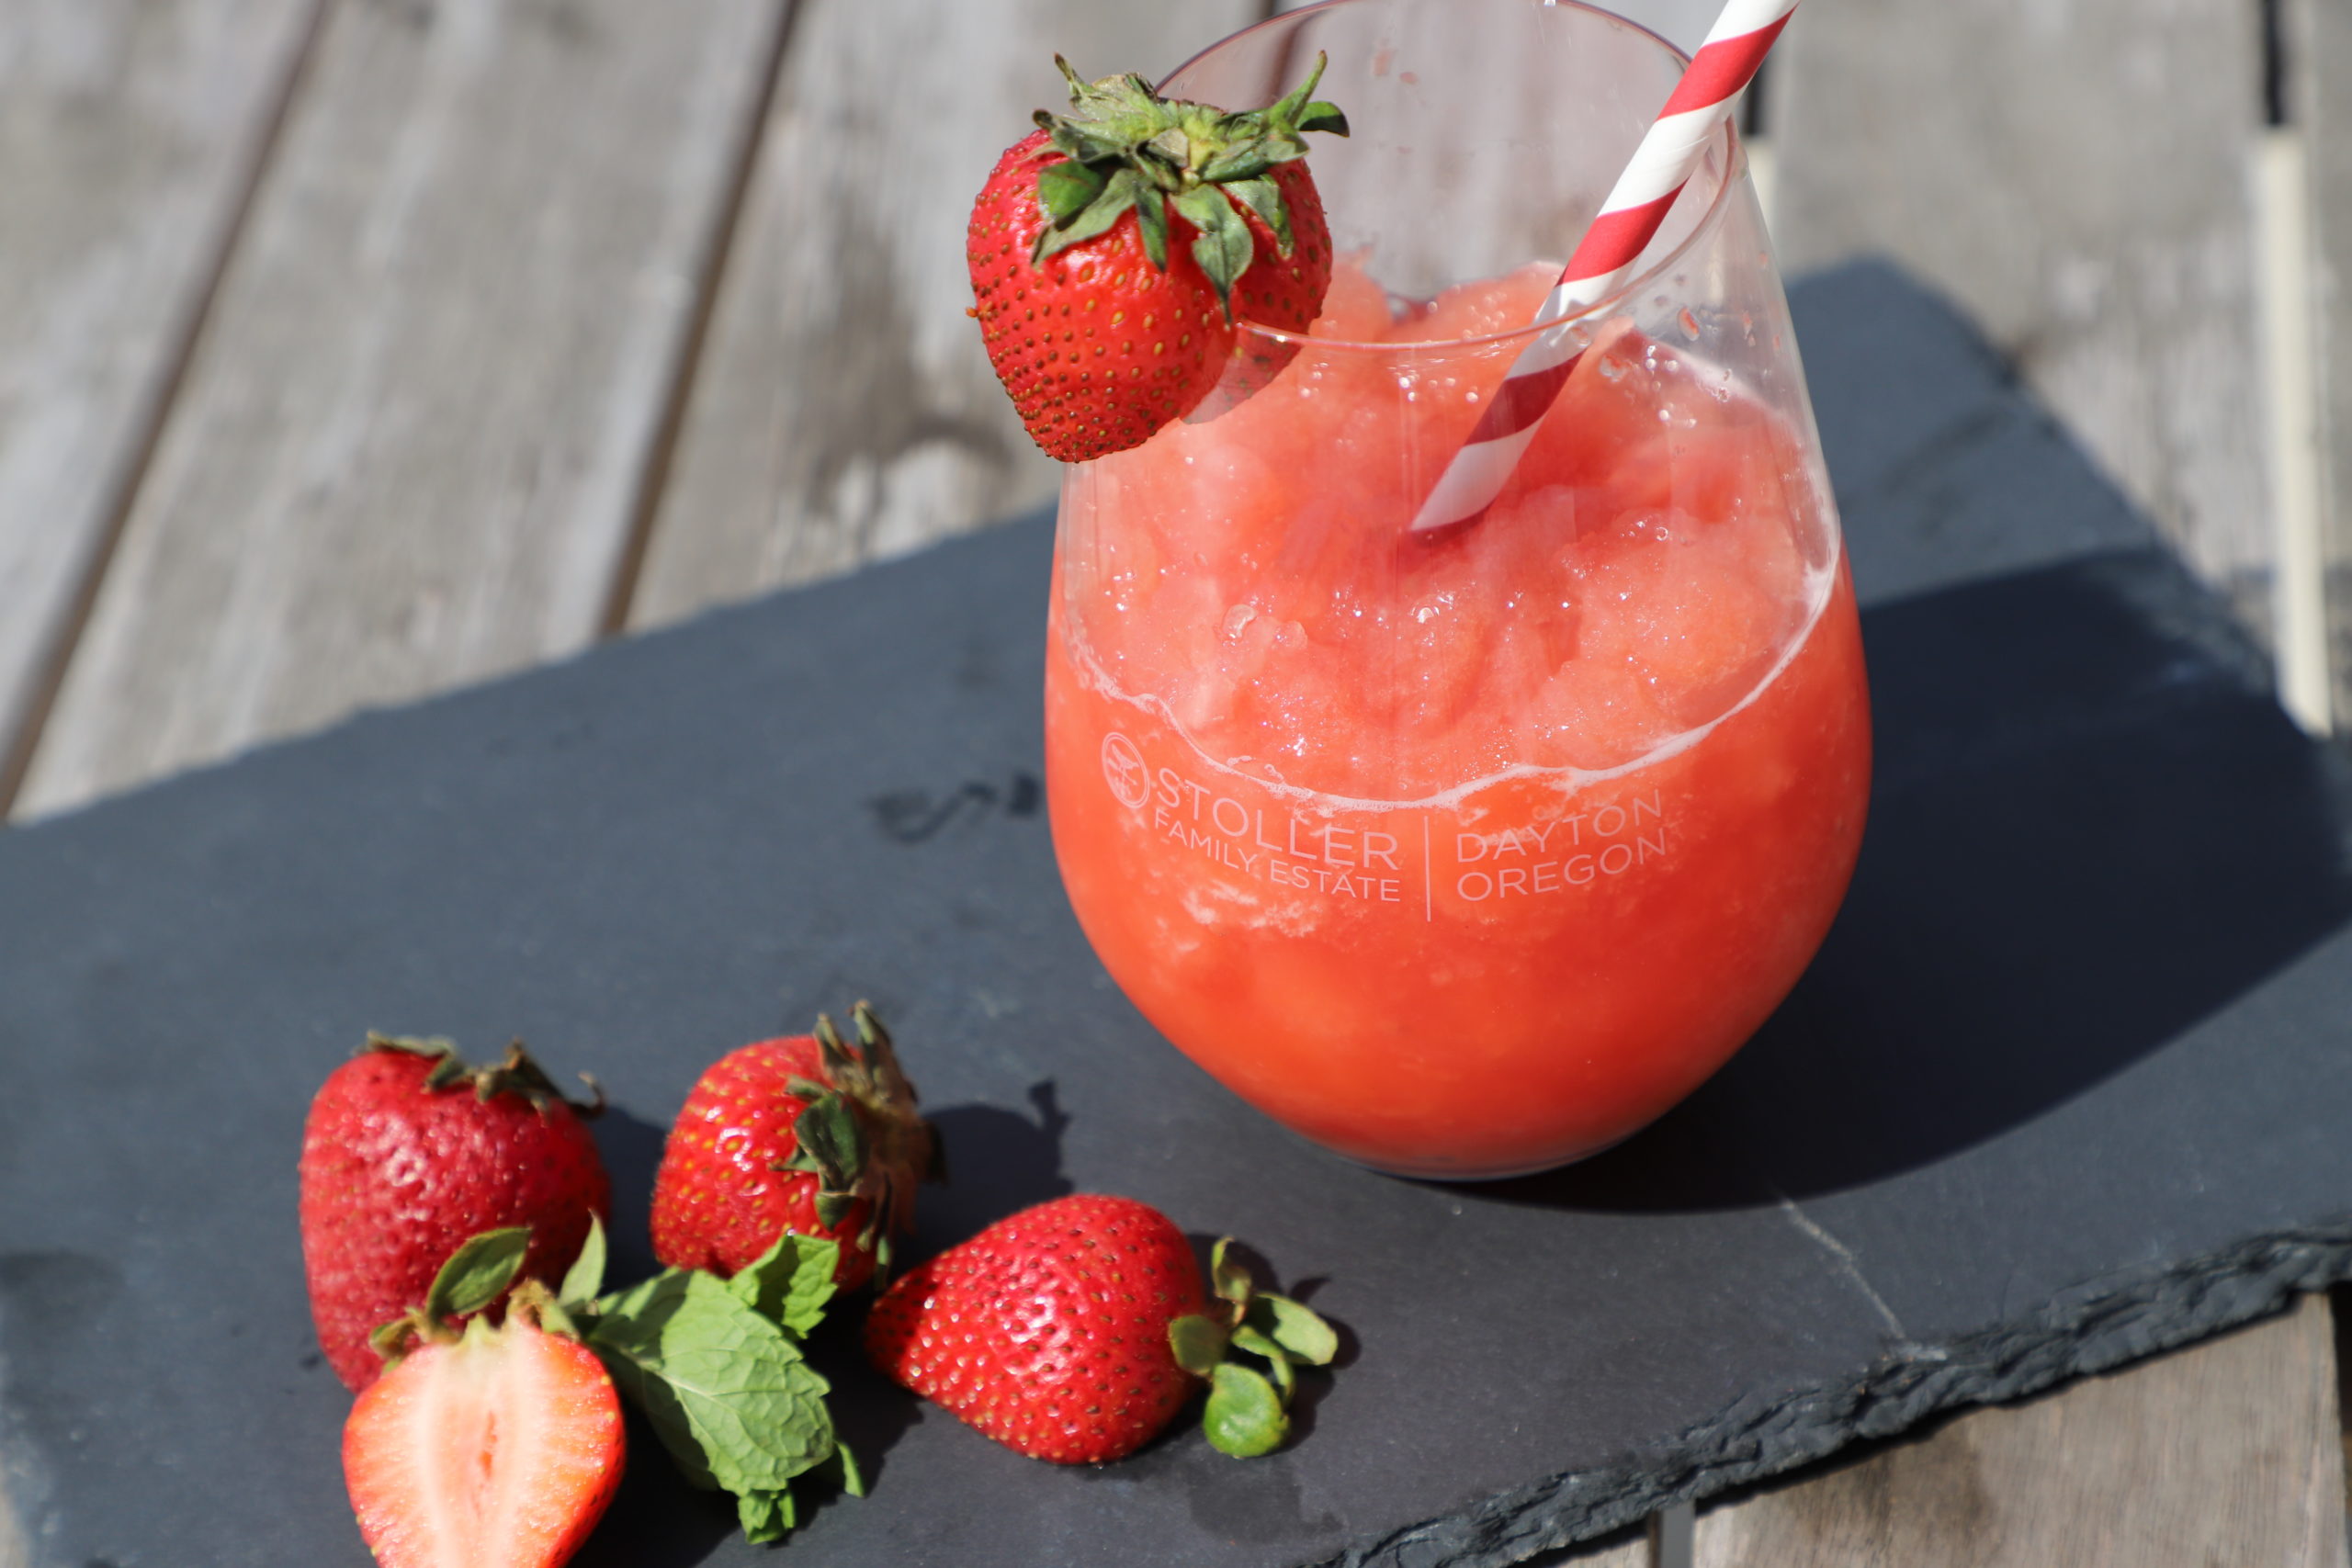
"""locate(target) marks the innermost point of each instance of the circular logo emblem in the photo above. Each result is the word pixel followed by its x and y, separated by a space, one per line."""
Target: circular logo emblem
pixel 1124 771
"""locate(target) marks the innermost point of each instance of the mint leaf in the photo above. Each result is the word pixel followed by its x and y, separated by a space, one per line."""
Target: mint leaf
pixel 1294 1326
pixel 853 1478
pixel 627 1339
pixel 1245 1415
pixel 725 1387
pixel 766 1517
pixel 791 1281
pixel 585 1278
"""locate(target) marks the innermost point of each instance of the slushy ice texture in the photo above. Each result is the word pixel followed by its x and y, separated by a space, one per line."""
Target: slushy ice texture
pixel 1466 855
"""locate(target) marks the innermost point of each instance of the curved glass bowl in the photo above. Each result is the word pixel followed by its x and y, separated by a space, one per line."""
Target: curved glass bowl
pixel 1467 855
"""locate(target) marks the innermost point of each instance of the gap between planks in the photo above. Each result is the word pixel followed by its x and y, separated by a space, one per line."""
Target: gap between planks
pixel 614 622
pixel 410 443
pixel 20 732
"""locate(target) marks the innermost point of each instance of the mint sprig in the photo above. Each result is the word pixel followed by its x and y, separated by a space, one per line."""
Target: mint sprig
pixel 1248 1411
pixel 717 1368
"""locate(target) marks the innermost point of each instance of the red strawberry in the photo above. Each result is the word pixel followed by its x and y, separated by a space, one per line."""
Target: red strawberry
pixel 1048 1331
pixel 1102 329
pixel 803 1134
pixel 497 1445
pixel 407 1152
pixel 1284 290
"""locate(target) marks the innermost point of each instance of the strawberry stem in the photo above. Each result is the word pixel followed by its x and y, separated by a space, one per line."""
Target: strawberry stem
pixel 860 1135
pixel 515 1074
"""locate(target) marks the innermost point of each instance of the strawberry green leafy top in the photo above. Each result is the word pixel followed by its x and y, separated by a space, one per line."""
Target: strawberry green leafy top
pixel 1130 149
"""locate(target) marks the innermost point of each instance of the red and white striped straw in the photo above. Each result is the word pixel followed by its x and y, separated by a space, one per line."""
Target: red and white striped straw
pixel 1661 167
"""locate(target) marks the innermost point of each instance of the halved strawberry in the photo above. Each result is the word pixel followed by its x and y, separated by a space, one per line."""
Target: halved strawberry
pixel 486 1445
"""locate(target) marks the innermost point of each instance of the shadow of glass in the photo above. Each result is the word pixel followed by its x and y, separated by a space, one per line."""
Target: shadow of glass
pixel 2090 827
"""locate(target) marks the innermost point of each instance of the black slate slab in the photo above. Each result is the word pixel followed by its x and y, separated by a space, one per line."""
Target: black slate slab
pixel 2067 1085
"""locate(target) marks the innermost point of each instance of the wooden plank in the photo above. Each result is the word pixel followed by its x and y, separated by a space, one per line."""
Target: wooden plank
pixel 129 133
pixel 411 442
pixel 1632 1553
pixel 2226 1452
pixel 2078 178
pixel 2319 102
pixel 843 409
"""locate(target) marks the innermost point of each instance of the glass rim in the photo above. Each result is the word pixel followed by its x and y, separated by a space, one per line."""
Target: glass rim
pixel 1728 134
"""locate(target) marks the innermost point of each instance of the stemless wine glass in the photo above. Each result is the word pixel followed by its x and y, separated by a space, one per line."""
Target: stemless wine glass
pixel 1468 854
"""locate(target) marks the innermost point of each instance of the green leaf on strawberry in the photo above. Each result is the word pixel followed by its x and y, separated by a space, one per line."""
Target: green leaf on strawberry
pixel 1295 1327
pixel 1228 1277
pixel 1277 1359
pixel 1129 150
pixel 1069 189
pixel 766 1517
pixel 1222 247
pixel 1266 199
pixel 477 1272
pixel 1248 1410
pixel 1199 1344
pixel 470 1280
pixel 1139 260
pixel 1245 1415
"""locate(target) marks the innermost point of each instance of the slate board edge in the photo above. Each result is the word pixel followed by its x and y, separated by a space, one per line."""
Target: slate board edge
pixel 1765 1434
pixel 1770 1433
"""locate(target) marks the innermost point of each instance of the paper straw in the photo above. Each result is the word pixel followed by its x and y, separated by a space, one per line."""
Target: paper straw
pixel 1661 167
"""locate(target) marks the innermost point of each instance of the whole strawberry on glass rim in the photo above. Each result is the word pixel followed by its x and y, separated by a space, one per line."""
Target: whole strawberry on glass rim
pixel 1112 248
pixel 806 1134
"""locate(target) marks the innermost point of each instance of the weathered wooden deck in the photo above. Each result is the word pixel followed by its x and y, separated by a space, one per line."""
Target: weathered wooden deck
pixel 354 349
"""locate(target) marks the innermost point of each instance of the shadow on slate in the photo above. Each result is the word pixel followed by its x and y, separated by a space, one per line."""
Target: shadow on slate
pixel 2067 1087
pixel 2090 826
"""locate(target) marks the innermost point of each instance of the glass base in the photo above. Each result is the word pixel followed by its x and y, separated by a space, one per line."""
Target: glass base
pixel 1456 1174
